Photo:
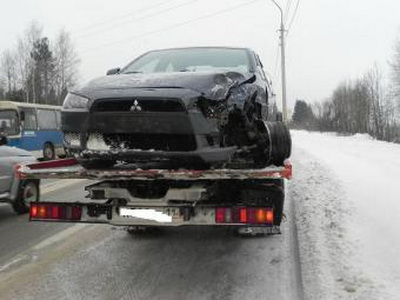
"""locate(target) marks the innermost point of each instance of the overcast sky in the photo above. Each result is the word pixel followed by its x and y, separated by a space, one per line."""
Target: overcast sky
pixel 329 41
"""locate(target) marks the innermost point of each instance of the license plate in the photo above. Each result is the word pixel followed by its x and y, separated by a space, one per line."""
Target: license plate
pixel 145 214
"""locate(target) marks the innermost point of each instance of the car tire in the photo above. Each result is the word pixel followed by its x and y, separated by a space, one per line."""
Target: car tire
pixel 28 192
pixel 280 143
pixel 48 152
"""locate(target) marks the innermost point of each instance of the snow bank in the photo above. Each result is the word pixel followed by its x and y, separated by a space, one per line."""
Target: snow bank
pixel 347 200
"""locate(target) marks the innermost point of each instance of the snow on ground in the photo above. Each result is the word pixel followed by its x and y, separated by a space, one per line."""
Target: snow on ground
pixel 347 204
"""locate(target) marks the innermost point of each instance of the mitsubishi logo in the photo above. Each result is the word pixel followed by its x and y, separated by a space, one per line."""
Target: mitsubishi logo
pixel 136 106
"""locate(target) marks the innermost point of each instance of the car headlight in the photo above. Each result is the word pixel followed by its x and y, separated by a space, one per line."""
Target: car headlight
pixel 73 101
pixel 238 97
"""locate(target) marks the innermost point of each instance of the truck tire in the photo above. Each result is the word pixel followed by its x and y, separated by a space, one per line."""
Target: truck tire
pixel 28 192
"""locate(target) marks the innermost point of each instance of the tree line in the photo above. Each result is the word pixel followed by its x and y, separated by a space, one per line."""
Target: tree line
pixel 38 69
pixel 365 105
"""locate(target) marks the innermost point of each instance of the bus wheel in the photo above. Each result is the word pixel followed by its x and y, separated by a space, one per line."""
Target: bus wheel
pixel 48 152
pixel 28 192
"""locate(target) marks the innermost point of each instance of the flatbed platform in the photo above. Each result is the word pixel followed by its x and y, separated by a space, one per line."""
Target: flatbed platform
pixel 71 169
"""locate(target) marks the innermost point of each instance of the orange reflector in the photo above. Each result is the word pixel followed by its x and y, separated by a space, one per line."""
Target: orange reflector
pixel 269 216
pixel 260 215
pixel 42 212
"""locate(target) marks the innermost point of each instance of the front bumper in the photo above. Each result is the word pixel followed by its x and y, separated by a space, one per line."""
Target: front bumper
pixel 182 137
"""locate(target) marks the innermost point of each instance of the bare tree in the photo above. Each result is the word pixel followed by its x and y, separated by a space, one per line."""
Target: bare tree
pixel 25 62
pixel 8 70
pixel 395 64
pixel 374 85
pixel 66 65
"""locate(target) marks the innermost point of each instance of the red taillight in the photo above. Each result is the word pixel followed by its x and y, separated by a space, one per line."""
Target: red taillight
pixel 55 212
pixel 220 215
pixel 244 215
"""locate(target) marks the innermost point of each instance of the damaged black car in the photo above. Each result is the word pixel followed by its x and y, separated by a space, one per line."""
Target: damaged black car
pixel 208 107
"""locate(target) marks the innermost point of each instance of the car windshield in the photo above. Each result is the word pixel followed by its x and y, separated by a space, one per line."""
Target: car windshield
pixel 191 60
pixel 9 122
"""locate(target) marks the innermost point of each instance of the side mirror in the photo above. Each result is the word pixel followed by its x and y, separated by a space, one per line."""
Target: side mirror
pixel 113 71
pixel 3 140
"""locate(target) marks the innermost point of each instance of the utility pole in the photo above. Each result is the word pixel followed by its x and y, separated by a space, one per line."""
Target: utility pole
pixel 282 31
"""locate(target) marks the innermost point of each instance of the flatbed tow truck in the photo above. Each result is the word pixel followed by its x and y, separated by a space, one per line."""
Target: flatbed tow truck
pixel 250 200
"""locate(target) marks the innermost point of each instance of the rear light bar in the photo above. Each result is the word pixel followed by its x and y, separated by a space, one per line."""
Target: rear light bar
pixel 55 212
pixel 245 215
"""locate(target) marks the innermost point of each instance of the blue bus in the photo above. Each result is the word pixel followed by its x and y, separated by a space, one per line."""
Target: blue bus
pixel 33 127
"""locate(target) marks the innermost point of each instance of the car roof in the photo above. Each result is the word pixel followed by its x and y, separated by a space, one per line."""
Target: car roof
pixel 204 47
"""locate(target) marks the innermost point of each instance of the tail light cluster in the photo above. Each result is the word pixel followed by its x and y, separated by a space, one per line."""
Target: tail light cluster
pixel 245 215
pixel 55 212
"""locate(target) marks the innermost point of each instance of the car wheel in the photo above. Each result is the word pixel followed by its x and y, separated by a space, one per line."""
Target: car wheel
pixel 280 143
pixel 28 192
pixel 48 152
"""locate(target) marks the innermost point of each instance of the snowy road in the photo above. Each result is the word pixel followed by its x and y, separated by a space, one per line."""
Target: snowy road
pixel 340 241
pixel 97 262
pixel 347 195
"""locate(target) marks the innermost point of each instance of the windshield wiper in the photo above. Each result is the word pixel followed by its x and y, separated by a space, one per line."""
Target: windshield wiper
pixel 133 72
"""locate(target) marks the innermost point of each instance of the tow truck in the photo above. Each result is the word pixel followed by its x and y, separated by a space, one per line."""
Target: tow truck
pixel 250 200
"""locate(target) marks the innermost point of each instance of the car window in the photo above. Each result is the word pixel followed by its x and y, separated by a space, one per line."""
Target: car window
pixel 9 122
pixel 190 60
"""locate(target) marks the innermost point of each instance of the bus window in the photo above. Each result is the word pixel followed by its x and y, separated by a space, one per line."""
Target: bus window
pixel 29 120
pixel 46 119
pixel 9 122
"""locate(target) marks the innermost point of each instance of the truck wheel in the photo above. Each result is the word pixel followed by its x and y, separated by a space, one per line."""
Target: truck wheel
pixel 48 151
pixel 28 192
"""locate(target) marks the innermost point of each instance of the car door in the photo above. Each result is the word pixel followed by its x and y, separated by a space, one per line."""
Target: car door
pixel 6 171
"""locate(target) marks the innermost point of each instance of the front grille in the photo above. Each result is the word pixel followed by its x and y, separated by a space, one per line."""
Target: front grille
pixel 157 142
pixel 138 105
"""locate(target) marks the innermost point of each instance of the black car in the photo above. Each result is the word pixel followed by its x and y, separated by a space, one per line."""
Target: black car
pixel 179 108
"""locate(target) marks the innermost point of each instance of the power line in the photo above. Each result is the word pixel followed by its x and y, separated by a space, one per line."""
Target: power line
pixel 118 18
pixel 287 11
pixel 294 16
pixel 172 26
pixel 139 19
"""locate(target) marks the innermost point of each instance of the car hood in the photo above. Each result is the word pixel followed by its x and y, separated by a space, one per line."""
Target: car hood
pixel 213 86
pixel 6 151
